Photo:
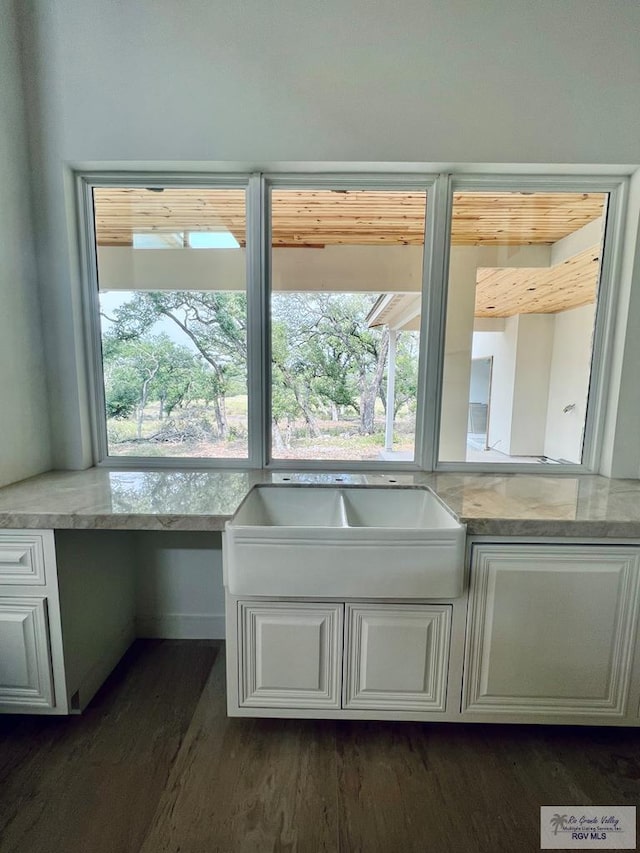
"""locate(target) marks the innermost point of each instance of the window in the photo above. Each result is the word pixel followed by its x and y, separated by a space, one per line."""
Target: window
pixel 173 323
pixel 524 271
pixel 346 293
pixel 342 321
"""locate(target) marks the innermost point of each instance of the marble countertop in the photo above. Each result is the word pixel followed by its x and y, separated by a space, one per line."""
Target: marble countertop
pixel 489 504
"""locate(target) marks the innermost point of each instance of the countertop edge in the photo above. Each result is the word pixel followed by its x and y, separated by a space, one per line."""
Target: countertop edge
pixel 475 526
pixel 540 527
pixel 112 521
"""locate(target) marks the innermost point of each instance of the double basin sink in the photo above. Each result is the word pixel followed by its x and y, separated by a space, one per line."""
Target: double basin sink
pixel 321 541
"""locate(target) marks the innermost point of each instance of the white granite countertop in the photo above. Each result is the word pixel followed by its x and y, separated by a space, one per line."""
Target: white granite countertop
pixel 489 504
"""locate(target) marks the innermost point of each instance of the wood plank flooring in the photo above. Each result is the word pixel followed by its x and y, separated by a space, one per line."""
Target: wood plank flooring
pixel 155 766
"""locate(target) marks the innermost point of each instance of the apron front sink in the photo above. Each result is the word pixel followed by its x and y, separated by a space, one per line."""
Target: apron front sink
pixel 295 541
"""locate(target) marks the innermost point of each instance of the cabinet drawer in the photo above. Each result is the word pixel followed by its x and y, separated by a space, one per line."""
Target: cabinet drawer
pixel 22 559
pixel 397 657
pixel 25 664
pixel 291 654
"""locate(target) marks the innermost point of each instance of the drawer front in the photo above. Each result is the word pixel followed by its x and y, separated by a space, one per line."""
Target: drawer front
pixel 25 662
pixel 22 559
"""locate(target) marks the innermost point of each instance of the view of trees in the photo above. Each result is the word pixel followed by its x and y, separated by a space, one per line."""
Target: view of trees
pixel 176 377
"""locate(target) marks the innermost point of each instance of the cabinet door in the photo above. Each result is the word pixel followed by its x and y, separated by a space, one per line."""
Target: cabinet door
pixel 551 629
pixel 397 656
pixel 25 667
pixel 290 654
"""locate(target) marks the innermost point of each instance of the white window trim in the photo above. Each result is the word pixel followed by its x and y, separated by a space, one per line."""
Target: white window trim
pixel 380 181
pixel 606 305
pixel 439 189
pixel 85 184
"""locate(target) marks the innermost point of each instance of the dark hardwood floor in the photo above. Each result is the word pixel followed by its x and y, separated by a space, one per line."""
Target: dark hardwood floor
pixel 154 765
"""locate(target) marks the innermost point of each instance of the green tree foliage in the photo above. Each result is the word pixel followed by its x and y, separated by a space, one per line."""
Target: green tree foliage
pixel 214 322
pixel 324 354
pixel 326 363
pixel 139 370
pixel 406 385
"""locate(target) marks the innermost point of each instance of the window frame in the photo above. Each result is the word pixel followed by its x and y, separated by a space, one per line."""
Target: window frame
pixel 85 184
pixel 601 354
pixel 439 190
pixel 371 181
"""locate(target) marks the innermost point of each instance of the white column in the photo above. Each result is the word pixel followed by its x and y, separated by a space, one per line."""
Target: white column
pixel 391 390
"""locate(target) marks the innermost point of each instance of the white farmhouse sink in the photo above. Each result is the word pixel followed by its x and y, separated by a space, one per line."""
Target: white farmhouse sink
pixel 344 542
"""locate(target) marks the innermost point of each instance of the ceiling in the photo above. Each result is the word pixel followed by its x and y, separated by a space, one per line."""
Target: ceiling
pixel 317 218
pixel 505 291
pixel 521 219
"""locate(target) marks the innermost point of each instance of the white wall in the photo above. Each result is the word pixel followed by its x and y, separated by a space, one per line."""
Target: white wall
pixel 456 374
pixel 569 383
pixel 384 269
pixel 421 80
pixel 249 83
pixel 541 363
pixel 531 384
pixel 519 383
pixel 24 417
pixel 464 263
pixel 480 379
pixel 179 589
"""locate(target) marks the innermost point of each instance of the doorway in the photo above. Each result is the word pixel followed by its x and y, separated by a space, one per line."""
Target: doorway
pixel 479 403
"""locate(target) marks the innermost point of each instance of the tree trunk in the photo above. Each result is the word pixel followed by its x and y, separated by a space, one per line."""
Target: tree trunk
pixel 334 412
pixel 311 422
pixel 367 412
pixel 278 441
pixel 143 403
pixel 370 390
pixel 220 411
pixel 309 418
pixel 161 410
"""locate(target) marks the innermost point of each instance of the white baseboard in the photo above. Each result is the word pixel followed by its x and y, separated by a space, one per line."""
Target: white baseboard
pixel 181 626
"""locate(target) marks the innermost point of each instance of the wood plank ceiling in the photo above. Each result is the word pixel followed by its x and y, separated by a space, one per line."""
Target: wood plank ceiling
pixel 318 218
pixel 504 292
pixel 353 217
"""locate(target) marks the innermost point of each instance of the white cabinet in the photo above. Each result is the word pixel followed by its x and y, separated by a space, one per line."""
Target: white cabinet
pixel 31 666
pixel 25 663
pixel 66 616
pixel 551 630
pixel 397 656
pixel 290 655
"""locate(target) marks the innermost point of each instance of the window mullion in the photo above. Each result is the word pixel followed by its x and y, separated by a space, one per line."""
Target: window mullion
pixel 256 320
pixel 434 300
